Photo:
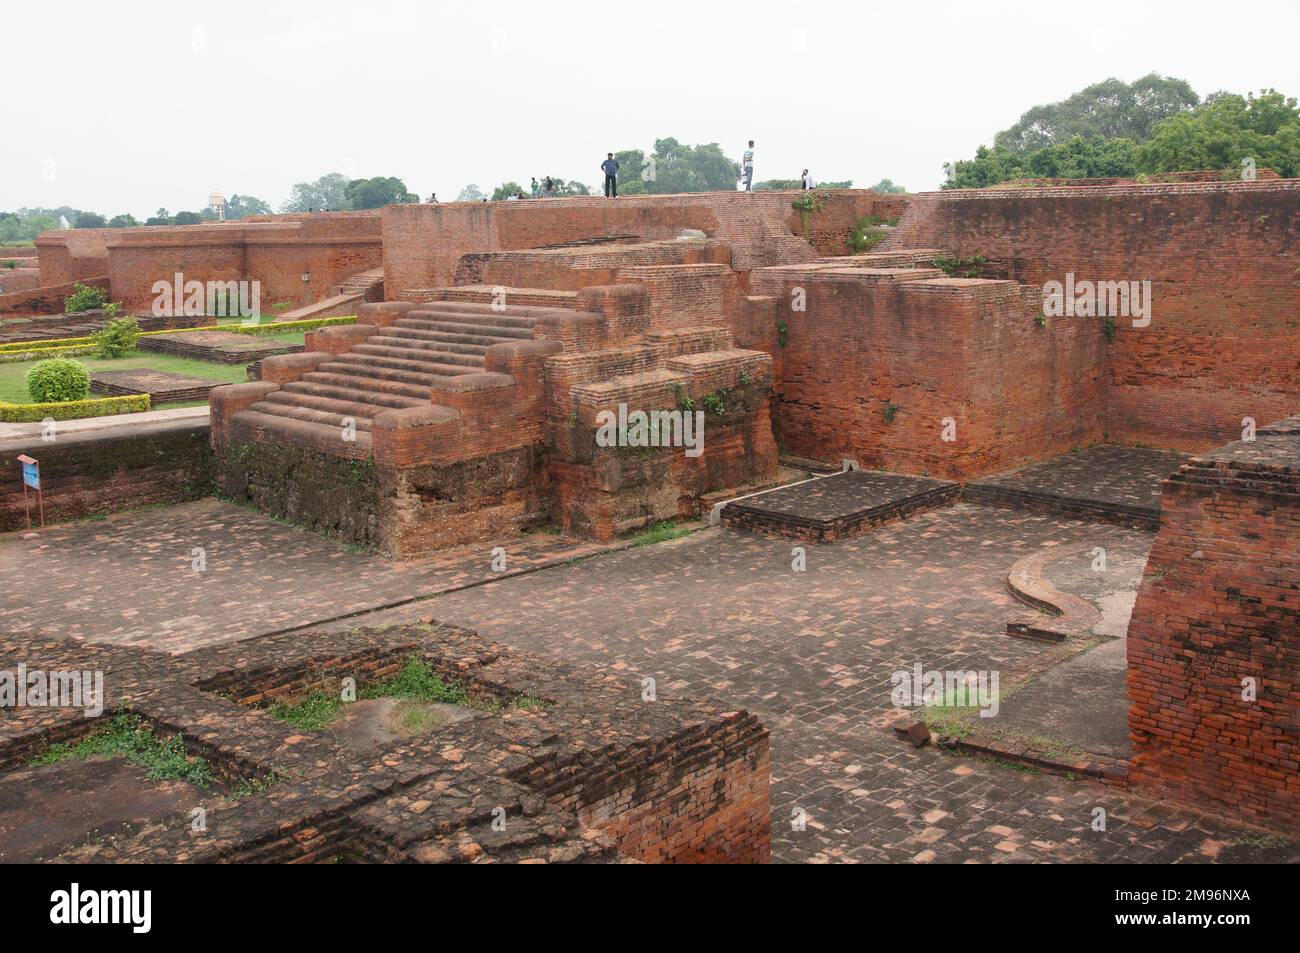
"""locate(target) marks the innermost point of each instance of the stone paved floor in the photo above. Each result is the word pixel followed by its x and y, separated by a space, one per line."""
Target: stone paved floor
pixel 841 495
pixel 130 579
pixel 722 614
pixel 719 614
pixel 1108 475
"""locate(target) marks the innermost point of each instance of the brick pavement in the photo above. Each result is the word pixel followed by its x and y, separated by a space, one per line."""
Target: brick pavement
pixel 719 615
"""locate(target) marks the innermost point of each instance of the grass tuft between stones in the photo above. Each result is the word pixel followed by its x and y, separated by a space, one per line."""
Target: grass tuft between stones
pixel 127 735
pixel 416 681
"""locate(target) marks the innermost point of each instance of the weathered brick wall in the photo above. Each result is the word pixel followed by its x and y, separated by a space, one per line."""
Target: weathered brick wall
pixel 67 255
pixel 702 798
pixel 1220 603
pixel 46 299
pixel 327 248
pixel 18 279
pixel 97 472
pixel 829 227
pixel 1224 339
pixel 570 269
pixel 424 244
pixel 931 348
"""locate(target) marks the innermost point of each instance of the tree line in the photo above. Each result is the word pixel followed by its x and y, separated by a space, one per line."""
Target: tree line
pixel 1129 130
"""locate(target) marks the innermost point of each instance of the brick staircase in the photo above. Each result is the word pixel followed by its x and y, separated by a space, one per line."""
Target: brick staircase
pixel 391 367
pixel 368 284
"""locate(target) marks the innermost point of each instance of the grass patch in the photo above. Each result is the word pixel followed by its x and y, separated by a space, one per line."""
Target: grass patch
pixel 416 681
pixel 13 376
pixel 127 735
pixel 661 532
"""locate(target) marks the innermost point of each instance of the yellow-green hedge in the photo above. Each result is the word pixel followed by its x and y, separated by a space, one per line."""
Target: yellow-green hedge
pixel 74 350
pixel 53 344
pixel 73 409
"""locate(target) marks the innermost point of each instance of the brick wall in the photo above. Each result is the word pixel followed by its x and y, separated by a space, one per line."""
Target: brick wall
pixel 424 244
pixel 75 253
pixel 1224 340
pixel 327 248
pixel 1220 602
pixel 47 299
pixel 932 348
pixel 97 472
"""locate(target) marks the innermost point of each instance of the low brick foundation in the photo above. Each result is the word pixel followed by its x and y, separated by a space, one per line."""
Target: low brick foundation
pixel 588 773
pixel 96 472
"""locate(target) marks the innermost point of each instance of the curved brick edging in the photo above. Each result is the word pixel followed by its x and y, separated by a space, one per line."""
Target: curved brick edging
pixel 1027 583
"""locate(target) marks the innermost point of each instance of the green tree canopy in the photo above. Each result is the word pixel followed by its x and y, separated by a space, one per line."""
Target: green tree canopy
pixel 887 187
pixel 1111 109
pixel 242 206
pixel 327 192
pixel 506 189
pixel 1227 130
pixel 377 192
pixel 125 220
pixel 89 220
pixel 673 167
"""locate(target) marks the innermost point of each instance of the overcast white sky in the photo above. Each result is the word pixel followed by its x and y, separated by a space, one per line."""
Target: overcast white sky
pixel 128 106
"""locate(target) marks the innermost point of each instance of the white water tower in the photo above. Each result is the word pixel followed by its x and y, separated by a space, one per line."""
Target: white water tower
pixel 217 205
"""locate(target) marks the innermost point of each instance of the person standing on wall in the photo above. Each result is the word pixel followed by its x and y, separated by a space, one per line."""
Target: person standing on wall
pixel 807 181
pixel 747 166
pixel 534 186
pixel 610 168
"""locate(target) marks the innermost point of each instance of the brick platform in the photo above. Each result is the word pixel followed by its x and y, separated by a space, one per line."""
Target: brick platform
pixel 838 506
pixel 219 346
pixel 594 774
pixel 1117 484
pixel 161 386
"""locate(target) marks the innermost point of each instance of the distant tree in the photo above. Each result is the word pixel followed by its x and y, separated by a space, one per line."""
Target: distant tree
pixel 377 192
pixel 89 220
pixel 506 189
pixel 563 187
pixel 470 193
pixel 242 206
pixel 1225 131
pixel 160 217
pixel 631 163
pixel 1111 109
pixel 125 220
pixel 187 218
pixel 327 192
pixel 776 185
pixel 887 187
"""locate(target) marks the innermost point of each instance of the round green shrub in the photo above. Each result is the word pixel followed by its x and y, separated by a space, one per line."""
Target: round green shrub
pixel 57 380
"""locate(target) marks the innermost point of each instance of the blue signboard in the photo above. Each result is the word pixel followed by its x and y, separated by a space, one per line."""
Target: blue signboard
pixel 32 474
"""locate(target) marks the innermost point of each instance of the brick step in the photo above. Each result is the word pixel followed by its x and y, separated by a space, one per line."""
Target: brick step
pixel 301 433
pixel 496 319
pixel 358 391
pixel 485 310
pixel 445 362
pixel 331 405
pixel 465 333
pixel 371 383
pixel 347 368
pixel 411 338
pixel 311 414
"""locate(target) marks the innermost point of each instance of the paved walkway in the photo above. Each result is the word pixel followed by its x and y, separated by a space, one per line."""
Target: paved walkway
pixel 720 614
pixel 8 430
pixel 130 579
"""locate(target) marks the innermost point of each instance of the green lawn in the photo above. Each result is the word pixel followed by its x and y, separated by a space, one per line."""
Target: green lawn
pixel 13 376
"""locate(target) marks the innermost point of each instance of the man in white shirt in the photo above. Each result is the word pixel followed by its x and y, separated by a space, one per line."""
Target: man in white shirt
pixel 747 166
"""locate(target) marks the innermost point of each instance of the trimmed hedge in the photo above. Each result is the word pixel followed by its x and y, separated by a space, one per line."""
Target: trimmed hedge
pixel 283 326
pixel 17 357
pixel 73 409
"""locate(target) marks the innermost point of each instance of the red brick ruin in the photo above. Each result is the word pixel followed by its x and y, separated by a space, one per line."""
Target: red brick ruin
pixel 490 338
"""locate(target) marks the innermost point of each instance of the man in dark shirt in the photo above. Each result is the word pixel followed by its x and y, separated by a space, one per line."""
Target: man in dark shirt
pixel 610 168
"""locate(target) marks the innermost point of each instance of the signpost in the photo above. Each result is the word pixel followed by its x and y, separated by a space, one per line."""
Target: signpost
pixel 32 481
